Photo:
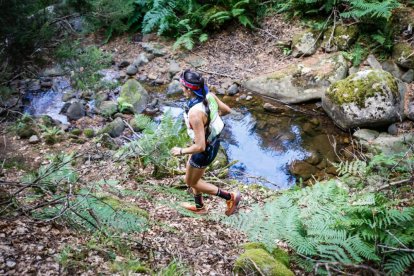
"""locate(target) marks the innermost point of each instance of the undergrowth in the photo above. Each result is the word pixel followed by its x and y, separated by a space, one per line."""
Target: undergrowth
pixel 334 226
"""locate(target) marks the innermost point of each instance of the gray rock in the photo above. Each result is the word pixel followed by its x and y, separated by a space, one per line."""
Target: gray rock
pixel 390 144
pixel 304 44
pixel 403 55
pixel 114 128
pixel 133 97
pixel 132 70
pixel 53 71
pixel 109 75
pixel 68 95
pixel 302 169
pixel 34 139
pixel 373 62
pixel 174 68
pixel 353 70
pixel 108 108
pixel 123 64
pixel 75 111
pixel 393 129
pixel 221 91
pixel 307 80
pixel 367 98
pixel 410 110
pixel 314 157
pixel 10 263
pixel 341 38
pixel 233 90
pixel 46 83
pixel 248 98
pixel 274 109
pixel 156 49
pixel 33 85
pixel 141 59
pixel 77 23
pixel 408 76
pixel 174 88
pixel 366 134
pixel 391 67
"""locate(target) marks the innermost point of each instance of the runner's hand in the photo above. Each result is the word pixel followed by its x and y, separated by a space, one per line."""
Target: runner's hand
pixel 176 151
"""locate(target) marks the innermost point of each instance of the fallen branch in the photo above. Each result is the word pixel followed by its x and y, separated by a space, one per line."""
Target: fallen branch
pixel 404 181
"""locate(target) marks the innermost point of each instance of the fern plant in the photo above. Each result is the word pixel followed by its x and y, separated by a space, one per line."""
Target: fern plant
pixel 326 224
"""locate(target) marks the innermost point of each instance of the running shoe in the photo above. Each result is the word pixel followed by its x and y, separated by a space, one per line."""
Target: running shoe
pixel 233 203
pixel 194 209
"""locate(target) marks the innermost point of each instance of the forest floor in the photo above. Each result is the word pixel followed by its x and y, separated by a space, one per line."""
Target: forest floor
pixel 204 245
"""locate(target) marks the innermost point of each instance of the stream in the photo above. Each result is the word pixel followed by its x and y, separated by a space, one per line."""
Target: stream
pixel 264 144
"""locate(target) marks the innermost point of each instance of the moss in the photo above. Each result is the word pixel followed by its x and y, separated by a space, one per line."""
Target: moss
pixel 125 206
pixel 253 245
pixel 76 131
pixel 403 55
pixel 291 70
pixel 249 262
pixel 357 87
pixel 281 256
pixel 131 97
pixel 344 36
pixel 89 132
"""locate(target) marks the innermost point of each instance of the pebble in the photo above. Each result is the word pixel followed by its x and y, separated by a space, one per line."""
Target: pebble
pixel 10 263
pixel 248 98
pixel 34 139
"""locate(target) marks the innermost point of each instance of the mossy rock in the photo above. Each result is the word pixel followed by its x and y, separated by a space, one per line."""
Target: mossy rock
pixel 281 256
pixel 114 128
pixel 254 245
pixel 305 43
pixel 133 97
pixel 343 37
pixel 89 132
pixel 366 98
pixel 76 132
pixel 107 142
pixel 403 54
pixel 108 108
pixel 25 130
pixel 358 87
pixel 253 260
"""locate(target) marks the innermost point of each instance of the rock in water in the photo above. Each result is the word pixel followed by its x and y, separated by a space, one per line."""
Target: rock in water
pixel 366 98
pixel 75 111
pixel 307 80
pixel 133 97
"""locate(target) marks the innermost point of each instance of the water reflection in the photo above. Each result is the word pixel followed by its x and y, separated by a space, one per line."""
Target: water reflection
pixel 263 154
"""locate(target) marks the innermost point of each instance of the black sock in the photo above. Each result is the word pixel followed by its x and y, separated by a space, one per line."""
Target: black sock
pixel 223 194
pixel 199 201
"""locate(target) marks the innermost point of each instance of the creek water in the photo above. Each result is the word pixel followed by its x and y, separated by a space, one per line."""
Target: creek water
pixel 264 144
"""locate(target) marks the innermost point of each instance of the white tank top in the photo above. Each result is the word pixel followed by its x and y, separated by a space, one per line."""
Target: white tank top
pixel 216 123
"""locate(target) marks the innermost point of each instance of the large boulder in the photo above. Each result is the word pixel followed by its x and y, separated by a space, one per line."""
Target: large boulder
pixel 339 39
pixel 366 98
pixel 305 43
pixel 133 97
pixel 301 82
pixel 114 128
pixel 403 54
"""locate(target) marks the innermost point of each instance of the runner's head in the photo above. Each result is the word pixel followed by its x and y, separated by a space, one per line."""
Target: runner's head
pixel 195 82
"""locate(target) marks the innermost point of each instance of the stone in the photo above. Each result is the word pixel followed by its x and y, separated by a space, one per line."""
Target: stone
pixel 233 89
pixel 77 23
pixel 108 142
pixel 132 70
pixel 403 55
pixel 68 95
pixel 123 64
pixel 133 97
pixel 341 39
pixel 33 85
pixel 114 128
pixel 304 44
pixel 353 70
pixel 174 68
pixel 392 129
pixel 264 264
pixel 154 48
pixel 108 108
pixel 373 62
pixel 75 111
pixel 366 134
pixel 408 76
pixel 368 98
pixel 249 98
pixel 274 109
pixel 409 111
pixel 10 263
pixel 109 75
pixel 142 59
pixel 302 169
pixel 174 88
pixel 26 130
pixel 46 83
pixel 34 139
pixel 391 67
pixel 53 71
pixel 307 80
pixel 314 158
pixel 389 144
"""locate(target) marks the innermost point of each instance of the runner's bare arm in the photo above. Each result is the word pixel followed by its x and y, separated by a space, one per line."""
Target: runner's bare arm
pixel 224 109
pixel 197 120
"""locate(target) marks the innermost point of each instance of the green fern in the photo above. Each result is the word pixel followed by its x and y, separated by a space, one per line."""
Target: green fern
pixel 374 9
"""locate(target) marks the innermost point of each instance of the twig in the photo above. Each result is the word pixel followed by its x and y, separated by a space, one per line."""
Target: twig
pixel 256 267
pixel 393 249
pixel 399 182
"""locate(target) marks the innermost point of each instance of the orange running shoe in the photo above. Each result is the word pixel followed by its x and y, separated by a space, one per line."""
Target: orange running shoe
pixel 233 203
pixel 194 209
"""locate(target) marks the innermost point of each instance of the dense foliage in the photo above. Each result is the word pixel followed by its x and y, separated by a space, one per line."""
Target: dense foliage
pixel 337 224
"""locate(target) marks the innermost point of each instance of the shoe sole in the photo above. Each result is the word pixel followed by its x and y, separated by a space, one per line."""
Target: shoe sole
pixel 235 205
pixel 186 206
